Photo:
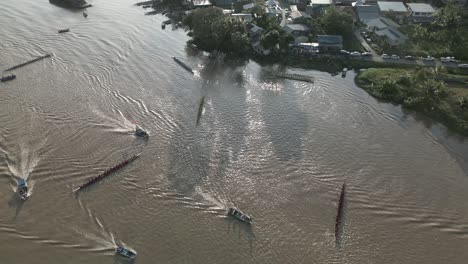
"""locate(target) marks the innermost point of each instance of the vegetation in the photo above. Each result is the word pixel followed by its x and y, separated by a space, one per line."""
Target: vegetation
pixel 446 36
pixel 211 30
pixel 421 90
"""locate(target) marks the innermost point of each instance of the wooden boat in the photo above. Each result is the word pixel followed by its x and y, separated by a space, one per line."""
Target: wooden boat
pixel 125 252
pixel 64 30
pixel 339 213
pixel 8 78
pixel 106 173
pixel 236 213
pixel 140 132
pixel 343 73
pixel 181 63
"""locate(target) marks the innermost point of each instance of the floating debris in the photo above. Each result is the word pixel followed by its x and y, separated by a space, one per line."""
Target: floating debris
pixel 181 63
pixel 28 62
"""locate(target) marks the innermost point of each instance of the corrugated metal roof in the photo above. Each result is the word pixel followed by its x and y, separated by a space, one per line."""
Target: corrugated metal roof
pixel 421 8
pixel 392 6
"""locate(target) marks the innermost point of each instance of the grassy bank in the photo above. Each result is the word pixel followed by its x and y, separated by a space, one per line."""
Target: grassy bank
pixel 421 90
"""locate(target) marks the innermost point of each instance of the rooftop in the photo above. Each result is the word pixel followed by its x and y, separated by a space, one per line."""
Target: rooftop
pixel 392 6
pixel 366 12
pixel 392 34
pixel 201 2
pixel 296 27
pixel 421 8
pixel 381 23
pixel 330 39
pixel 321 2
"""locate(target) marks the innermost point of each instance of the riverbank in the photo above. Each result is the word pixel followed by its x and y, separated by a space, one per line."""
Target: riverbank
pixel 423 90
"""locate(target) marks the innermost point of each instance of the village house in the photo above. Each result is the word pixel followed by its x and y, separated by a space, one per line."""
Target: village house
pixel 396 10
pixel 298 15
pixel 201 3
pixel 330 43
pixel 316 6
pixel 421 13
pixel 297 30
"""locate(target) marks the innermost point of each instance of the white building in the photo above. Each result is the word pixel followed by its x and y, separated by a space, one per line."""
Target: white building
pixel 421 13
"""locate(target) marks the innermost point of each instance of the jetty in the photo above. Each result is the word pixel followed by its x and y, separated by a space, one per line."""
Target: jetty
pixel 181 63
pixel 106 173
pixel 294 76
pixel 28 62
pixel 200 109
pixel 339 213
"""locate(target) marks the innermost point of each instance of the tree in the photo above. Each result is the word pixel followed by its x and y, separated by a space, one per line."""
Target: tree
pixel 336 23
pixel 270 39
pixel 212 30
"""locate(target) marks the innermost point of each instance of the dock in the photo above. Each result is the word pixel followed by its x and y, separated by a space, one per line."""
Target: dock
pixel 181 63
pixel 28 62
pixel 295 76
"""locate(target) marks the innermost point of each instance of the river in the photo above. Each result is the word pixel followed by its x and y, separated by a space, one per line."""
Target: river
pixel 277 149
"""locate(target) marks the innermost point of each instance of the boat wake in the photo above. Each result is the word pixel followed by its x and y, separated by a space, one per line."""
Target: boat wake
pixel 120 124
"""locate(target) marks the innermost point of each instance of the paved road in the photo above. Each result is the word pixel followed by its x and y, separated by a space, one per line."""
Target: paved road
pixel 375 57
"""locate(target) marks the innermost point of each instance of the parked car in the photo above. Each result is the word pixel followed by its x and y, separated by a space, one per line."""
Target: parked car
pixel 428 58
pixel 395 57
pixel 409 58
pixel 445 59
pixel 344 52
pixel 464 65
pixel 368 40
pixel 366 54
pixel 385 56
pixel 355 54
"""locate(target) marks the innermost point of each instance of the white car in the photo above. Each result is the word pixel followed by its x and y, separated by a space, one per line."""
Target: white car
pixel 428 58
pixel 355 54
pixel 395 57
pixel 366 54
pixel 445 59
pixel 385 56
pixel 344 52
pixel 464 65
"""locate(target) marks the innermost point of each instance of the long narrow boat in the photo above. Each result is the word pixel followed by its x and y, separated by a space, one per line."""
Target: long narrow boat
pixel 8 78
pixel 181 63
pixel 106 173
pixel 339 214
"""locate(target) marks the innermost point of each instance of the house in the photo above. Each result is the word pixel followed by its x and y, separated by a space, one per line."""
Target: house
pixel 316 6
pixel 248 6
pixel 297 15
pixel 367 12
pixel 273 11
pixel 395 10
pixel 255 33
pixel 243 17
pixel 380 23
pixel 297 30
pixel 224 3
pixel 201 3
pixel 254 30
pixel 391 36
pixel 386 30
pixel 330 43
pixel 421 13
pixel 271 3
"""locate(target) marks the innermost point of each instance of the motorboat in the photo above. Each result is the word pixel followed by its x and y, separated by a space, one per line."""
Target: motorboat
pixel 22 189
pixel 234 212
pixel 63 30
pixel 8 78
pixel 140 132
pixel 125 252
